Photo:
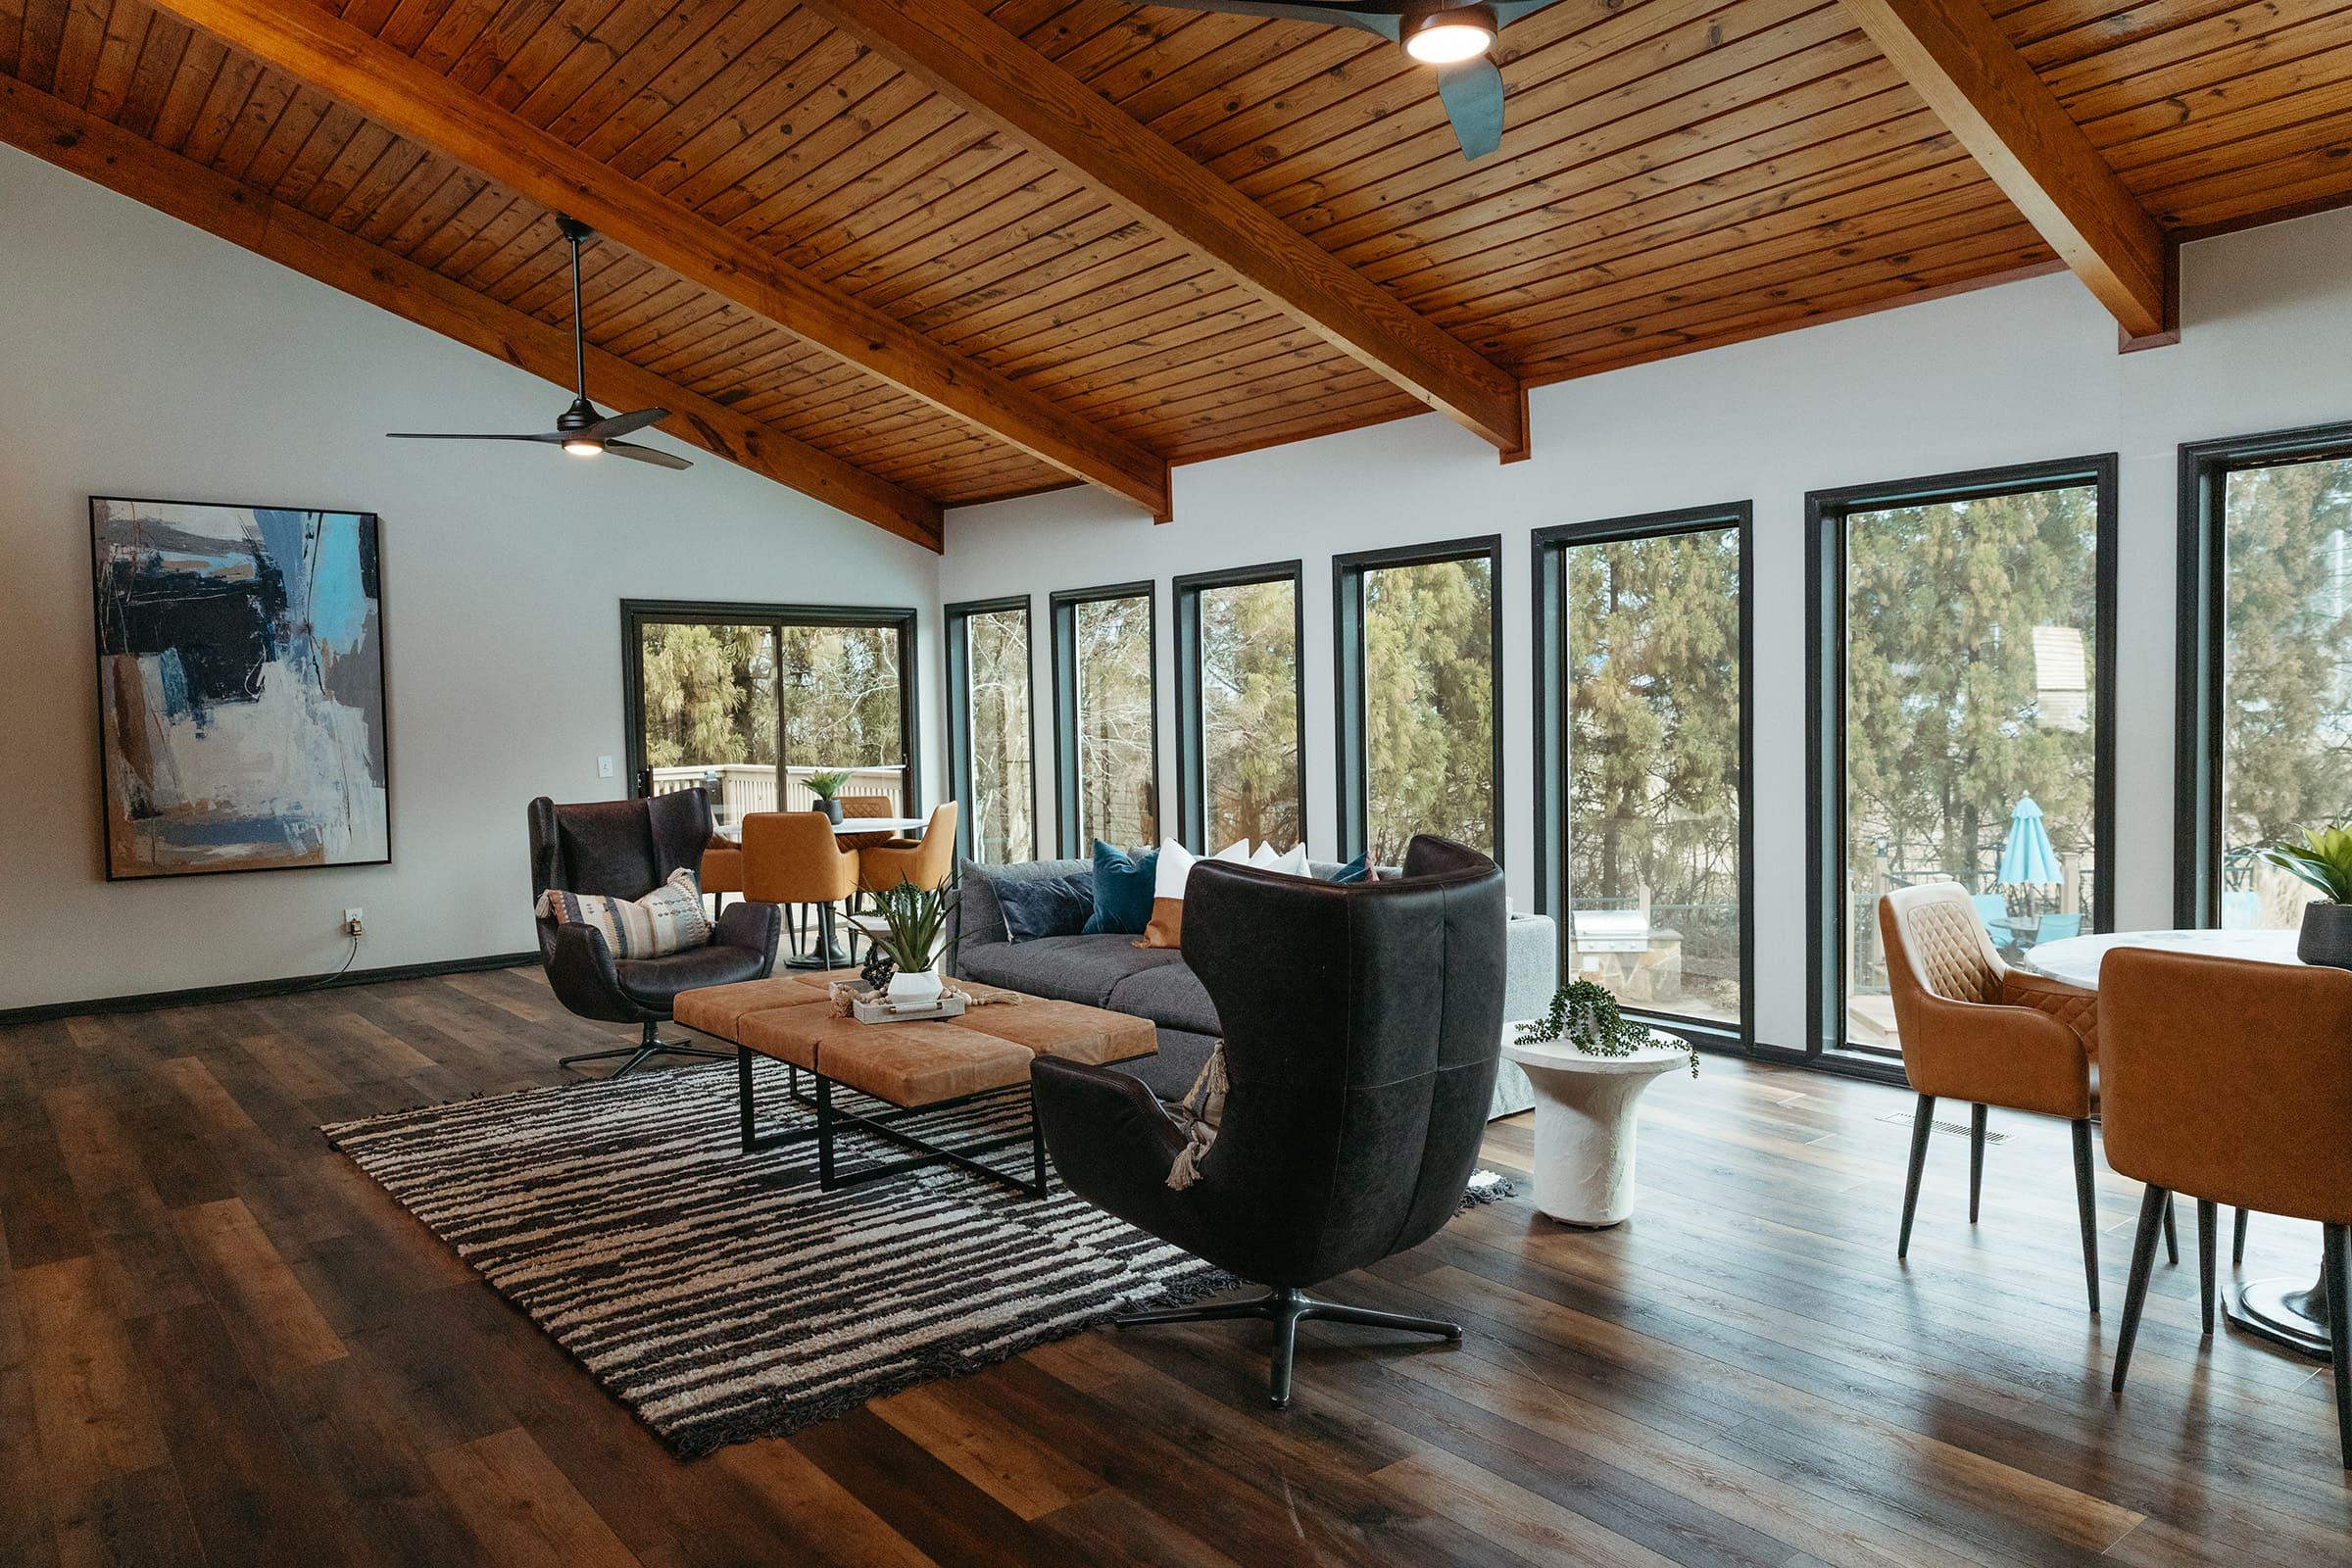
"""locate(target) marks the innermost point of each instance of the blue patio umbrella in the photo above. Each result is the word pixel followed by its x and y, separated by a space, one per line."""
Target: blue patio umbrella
pixel 2026 859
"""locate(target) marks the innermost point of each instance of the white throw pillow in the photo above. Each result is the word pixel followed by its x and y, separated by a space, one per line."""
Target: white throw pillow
pixel 670 920
pixel 1290 862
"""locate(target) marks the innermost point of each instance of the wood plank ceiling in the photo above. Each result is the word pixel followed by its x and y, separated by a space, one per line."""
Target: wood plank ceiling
pixel 1675 174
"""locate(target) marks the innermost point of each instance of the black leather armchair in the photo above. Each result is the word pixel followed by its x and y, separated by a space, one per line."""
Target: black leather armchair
pixel 627 848
pixel 1362 1026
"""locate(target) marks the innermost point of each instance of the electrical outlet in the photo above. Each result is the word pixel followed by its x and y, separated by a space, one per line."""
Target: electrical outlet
pixel 604 767
pixel 351 923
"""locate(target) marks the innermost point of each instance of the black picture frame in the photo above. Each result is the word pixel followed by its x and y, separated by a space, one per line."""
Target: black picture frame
pixel 374 522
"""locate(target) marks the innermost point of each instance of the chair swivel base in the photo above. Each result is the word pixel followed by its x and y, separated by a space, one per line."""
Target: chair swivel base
pixel 1285 1309
pixel 648 1045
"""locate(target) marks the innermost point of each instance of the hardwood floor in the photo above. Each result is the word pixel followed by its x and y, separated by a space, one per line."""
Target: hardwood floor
pixel 218 1343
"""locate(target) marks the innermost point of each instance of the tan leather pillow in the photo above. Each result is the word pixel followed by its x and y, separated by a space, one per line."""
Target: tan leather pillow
pixel 1166 928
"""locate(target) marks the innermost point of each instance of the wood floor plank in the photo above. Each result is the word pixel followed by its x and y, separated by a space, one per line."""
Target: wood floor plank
pixel 522 1509
pixel 261 1294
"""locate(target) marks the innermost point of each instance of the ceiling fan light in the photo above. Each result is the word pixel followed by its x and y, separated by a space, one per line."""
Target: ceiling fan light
pixel 1447 35
pixel 585 449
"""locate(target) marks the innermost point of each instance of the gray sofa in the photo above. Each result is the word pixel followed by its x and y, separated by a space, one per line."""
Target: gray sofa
pixel 1111 971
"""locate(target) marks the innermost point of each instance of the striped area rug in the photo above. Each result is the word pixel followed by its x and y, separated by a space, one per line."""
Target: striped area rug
pixel 720 1296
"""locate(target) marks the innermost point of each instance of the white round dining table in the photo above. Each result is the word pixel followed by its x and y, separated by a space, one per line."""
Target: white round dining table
pixel 2285 1312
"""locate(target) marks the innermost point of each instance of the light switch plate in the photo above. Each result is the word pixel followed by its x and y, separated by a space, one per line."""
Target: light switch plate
pixel 604 767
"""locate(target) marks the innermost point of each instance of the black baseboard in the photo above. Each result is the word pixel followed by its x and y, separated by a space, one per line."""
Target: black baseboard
pixel 250 989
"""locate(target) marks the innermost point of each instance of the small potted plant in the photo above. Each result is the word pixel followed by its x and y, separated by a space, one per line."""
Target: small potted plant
pixel 1584 1014
pixel 2323 859
pixel 825 785
pixel 914 924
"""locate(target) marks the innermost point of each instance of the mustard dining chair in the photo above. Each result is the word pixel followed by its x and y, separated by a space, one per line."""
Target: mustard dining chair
pixel 927 862
pixel 792 857
pixel 2231 1081
pixel 1974 1029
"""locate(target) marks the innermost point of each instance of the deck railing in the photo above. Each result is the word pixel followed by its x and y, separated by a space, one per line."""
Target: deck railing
pixel 737 788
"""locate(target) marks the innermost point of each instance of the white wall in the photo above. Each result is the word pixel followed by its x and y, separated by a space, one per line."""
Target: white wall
pixel 144 358
pixel 2018 373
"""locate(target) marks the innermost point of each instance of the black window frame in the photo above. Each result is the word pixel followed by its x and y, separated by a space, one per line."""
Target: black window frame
pixel 1826 515
pixel 1063 607
pixel 1347 574
pixel 2203 581
pixel 1548 633
pixel 637 613
pixel 1192 747
pixel 956 655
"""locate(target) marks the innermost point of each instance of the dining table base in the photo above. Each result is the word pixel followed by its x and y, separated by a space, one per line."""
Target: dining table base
pixel 2285 1312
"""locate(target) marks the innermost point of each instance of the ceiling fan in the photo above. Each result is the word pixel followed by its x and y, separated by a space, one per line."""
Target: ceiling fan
pixel 1456 38
pixel 579 431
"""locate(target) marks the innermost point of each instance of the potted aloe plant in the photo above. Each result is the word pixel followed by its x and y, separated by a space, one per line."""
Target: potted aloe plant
pixel 826 785
pixel 915 925
pixel 2323 859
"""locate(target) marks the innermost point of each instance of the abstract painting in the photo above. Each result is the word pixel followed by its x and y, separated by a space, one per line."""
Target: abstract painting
pixel 240 688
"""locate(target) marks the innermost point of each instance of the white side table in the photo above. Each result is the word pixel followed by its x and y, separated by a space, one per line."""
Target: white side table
pixel 1584 1123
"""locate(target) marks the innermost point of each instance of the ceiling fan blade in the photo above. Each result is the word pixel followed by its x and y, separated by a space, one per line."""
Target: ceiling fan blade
pixel 1508 11
pixel 630 449
pixel 1473 95
pixel 445 435
pixel 623 424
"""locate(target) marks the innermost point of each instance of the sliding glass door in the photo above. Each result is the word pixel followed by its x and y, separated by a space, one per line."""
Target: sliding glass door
pixel 748 700
pixel 1642 644
pixel 1963 644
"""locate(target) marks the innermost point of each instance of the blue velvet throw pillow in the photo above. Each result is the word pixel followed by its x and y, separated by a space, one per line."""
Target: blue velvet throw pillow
pixel 1358 869
pixel 1046 906
pixel 1122 890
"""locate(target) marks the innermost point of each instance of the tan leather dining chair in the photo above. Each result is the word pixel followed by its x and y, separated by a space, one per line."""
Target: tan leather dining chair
pixel 792 857
pixel 2231 1081
pixel 1974 1029
pixel 721 869
pixel 854 807
pixel 927 862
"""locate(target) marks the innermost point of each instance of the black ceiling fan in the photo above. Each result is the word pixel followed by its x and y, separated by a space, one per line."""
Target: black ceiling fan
pixel 581 430
pixel 1456 38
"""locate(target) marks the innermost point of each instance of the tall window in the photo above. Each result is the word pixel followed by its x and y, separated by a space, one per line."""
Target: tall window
pixel 2266 666
pixel 1642 643
pixel 1240 729
pixel 1419 687
pixel 746 701
pixel 1963 629
pixel 1106 716
pixel 989 746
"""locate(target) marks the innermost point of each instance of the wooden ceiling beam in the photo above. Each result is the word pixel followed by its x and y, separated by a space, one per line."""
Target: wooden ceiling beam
pixel 990 72
pixel 1956 57
pixel 366 75
pixel 130 166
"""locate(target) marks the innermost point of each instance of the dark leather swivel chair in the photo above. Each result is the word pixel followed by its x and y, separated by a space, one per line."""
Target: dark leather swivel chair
pixel 627 848
pixel 1362 1027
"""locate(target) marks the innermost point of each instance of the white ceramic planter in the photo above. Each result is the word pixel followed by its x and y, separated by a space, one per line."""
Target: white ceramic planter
pixel 1584 1123
pixel 917 989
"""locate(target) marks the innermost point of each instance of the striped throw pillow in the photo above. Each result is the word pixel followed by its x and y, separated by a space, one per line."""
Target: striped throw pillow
pixel 670 920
